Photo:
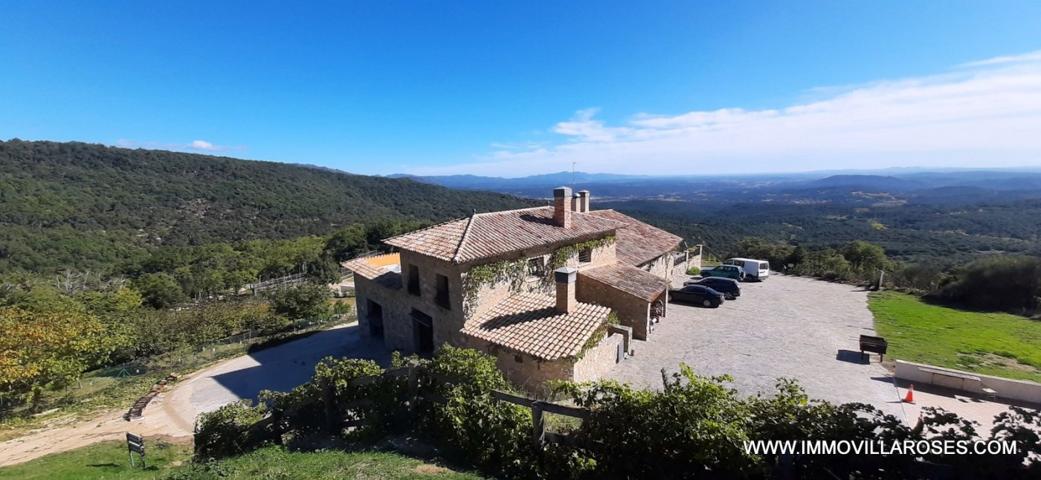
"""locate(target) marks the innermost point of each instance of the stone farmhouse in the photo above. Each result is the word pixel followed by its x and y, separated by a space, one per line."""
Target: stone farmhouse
pixel 553 292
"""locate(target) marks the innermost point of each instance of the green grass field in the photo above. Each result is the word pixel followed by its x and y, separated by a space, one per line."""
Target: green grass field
pixel 105 460
pixel 989 343
pixel 108 460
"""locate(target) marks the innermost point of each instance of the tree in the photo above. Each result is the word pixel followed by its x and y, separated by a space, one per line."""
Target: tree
pixel 159 290
pixel 117 310
pixel 865 257
pixel 305 301
pixel 347 243
pixel 1009 283
pixel 38 348
pixel 797 256
pixel 118 301
pixel 760 249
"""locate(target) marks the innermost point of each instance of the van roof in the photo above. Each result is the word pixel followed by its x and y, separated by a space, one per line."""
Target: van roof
pixel 748 259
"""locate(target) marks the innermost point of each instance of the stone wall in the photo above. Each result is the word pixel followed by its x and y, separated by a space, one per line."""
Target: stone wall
pixel 529 373
pixel 491 294
pixel 597 361
pixel 397 324
pixel 694 256
pixel 632 311
pixel 398 303
pixel 447 322
pixel 661 267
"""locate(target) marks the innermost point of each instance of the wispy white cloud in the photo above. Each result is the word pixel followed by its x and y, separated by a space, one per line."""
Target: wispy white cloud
pixel 1006 59
pixel 984 113
pixel 193 146
pixel 204 145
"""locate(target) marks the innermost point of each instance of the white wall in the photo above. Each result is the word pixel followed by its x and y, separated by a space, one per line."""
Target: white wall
pixel 1021 390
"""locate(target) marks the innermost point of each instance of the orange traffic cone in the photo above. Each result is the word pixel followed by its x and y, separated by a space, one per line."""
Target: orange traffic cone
pixel 909 398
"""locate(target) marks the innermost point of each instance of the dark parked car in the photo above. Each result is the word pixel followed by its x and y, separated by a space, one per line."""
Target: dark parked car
pixel 729 287
pixel 698 295
pixel 725 271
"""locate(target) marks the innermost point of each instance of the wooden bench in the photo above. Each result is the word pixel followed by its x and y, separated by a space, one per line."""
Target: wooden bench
pixel 877 345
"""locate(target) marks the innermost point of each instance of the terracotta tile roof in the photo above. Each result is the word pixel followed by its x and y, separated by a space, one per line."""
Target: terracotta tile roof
pixel 627 278
pixel 638 242
pixel 529 323
pixel 438 241
pixel 384 269
pixel 487 235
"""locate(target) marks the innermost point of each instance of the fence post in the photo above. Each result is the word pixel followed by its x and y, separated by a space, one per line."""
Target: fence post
pixel 329 399
pixel 538 424
pixel 413 383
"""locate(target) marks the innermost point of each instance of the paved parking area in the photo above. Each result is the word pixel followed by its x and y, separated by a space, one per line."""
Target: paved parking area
pixel 784 327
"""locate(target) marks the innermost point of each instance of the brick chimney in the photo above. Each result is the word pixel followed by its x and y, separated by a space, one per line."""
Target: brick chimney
pixel 562 207
pixel 565 280
pixel 583 201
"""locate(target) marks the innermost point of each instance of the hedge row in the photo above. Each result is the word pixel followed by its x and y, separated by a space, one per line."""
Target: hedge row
pixel 694 427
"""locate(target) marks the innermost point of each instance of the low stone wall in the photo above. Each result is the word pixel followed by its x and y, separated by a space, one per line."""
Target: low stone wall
pixel 1021 390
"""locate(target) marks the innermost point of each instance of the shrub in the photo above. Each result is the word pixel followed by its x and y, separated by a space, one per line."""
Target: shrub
pixel 468 421
pixel 229 430
pixel 693 271
pixel 995 283
pixel 323 403
pixel 159 290
pixel 695 426
pixel 304 301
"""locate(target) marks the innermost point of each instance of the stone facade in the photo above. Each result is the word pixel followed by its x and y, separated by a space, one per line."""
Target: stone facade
pixel 661 266
pixel 530 373
pixel 598 360
pixel 525 371
pixel 424 306
pixel 398 304
pixel 632 312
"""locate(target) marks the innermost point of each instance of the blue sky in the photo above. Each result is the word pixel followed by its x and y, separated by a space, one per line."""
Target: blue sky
pixel 515 88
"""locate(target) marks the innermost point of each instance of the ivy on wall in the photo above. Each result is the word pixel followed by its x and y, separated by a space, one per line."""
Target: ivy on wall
pixel 515 271
pixel 478 276
pixel 599 334
pixel 560 256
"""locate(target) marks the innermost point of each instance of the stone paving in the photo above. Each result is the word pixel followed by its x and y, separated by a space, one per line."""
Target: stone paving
pixel 784 327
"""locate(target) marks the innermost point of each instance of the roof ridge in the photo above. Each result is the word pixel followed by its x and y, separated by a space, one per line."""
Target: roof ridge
pixel 511 211
pixel 462 240
pixel 446 222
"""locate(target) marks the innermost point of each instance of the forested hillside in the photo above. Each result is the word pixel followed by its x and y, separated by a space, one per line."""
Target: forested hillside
pixel 87 207
pixel 944 236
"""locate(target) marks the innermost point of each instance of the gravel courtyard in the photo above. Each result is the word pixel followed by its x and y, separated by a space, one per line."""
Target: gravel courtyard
pixel 784 327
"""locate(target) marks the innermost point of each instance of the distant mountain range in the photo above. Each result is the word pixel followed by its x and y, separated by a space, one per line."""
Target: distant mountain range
pixel 901 185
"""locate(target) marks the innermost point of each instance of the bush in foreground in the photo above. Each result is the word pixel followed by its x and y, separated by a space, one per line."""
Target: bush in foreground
pixel 694 427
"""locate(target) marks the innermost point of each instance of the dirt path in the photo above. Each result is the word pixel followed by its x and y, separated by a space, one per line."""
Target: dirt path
pixel 172 413
pixel 159 420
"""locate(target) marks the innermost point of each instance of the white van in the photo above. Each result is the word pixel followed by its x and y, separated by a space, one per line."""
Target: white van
pixel 752 268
